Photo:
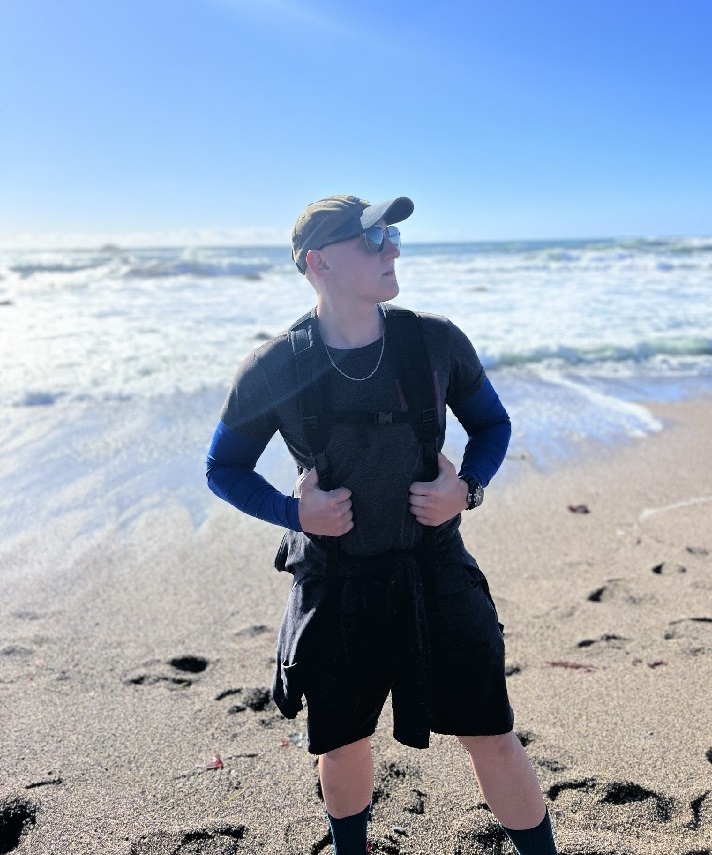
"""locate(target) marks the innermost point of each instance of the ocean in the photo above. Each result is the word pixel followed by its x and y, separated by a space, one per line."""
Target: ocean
pixel 114 363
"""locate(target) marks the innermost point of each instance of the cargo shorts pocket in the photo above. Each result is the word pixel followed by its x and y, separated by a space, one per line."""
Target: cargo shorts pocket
pixel 300 642
pixel 486 589
pixel 280 559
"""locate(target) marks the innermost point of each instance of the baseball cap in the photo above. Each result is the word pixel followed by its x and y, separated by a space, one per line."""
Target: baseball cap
pixel 340 218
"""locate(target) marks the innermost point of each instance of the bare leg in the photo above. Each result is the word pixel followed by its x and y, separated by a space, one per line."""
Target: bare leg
pixel 347 778
pixel 507 779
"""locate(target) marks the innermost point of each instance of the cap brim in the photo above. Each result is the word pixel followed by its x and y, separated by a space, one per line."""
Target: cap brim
pixel 393 211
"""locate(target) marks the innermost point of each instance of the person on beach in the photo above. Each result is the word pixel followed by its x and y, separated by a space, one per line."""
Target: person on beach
pixel 386 599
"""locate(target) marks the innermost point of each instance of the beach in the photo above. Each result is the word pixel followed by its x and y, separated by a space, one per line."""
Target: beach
pixel 138 659
pixel 139 613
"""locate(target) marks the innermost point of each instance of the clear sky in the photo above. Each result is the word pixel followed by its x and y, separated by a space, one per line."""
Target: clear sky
pixel 219 120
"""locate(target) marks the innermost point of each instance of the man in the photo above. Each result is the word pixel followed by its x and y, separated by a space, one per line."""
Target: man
pixel 385 597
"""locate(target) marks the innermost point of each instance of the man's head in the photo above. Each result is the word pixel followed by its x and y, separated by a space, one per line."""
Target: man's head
pixel 341 218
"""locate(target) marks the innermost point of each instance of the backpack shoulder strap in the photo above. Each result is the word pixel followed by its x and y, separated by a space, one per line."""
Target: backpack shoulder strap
pixel 313 391
pixel 404 338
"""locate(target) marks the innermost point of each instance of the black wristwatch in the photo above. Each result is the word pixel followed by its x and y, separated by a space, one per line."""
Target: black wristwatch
pixel 475 492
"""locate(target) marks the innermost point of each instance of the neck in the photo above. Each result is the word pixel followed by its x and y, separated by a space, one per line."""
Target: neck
pixel 355 329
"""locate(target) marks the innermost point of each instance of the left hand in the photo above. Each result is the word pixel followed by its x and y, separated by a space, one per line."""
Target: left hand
pixel 435 502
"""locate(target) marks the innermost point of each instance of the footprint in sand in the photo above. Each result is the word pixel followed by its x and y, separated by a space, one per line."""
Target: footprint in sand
pixel 209 840
pixel 252 631
pixel 234 708
pixel 479 832
pixel 26 614
pixel 699 551
pixel 608 647
pixel 625 793
pixel 618 591
pixel 51 779
pixel 668 568
pixel 309 834
pixel 414 801
pixel 257 699
pixel 395 784
pixel 191 664
pixel 608 639
pixel 526 737
pixel 17 819
pixel 608 808
pixel 154 672
pixel 701 810
pixel 390 777
pixel 693 635
pixel 18 650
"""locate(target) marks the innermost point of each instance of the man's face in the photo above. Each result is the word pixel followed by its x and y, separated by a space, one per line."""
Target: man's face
pixel 355 271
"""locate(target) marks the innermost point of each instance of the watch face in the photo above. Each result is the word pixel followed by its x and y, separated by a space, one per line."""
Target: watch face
pixel 475 492
pixel 475 496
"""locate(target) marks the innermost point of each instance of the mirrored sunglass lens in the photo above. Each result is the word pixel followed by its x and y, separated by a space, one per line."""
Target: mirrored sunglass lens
pixel 374 238
pixel 394 236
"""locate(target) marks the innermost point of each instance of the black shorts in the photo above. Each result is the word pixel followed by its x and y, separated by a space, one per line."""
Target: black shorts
pixel 468 689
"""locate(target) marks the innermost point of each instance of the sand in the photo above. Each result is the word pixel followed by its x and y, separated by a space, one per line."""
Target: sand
pixel 125 670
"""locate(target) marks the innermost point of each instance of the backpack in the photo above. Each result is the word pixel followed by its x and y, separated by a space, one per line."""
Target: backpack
pixel 407 351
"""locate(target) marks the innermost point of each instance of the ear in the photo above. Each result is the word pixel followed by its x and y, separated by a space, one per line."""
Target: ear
pixel 316 262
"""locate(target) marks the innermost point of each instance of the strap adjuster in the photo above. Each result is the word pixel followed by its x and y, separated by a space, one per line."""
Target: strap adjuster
pixel 429 415
pixel 384 418
pixel 310 423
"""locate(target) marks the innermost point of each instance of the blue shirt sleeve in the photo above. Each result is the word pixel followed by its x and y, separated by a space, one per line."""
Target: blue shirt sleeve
pixel 488 429
pixel 231 475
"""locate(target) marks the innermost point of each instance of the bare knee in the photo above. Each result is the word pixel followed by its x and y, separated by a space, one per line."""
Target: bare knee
pixel 497 745
pixel 348 752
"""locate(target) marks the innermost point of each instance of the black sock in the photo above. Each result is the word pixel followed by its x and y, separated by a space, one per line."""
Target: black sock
pixel 533 841
pixel 349 833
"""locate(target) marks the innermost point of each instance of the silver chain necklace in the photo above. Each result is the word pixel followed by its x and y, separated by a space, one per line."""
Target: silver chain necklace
pixel 368 376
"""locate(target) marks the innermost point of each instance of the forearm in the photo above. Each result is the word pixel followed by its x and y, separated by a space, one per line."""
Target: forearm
pixel 489 430
pixel 231 475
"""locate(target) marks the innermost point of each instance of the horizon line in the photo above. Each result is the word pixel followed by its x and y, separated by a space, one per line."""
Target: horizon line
pixel 109 246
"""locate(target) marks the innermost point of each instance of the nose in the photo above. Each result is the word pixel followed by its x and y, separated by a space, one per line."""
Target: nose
pixel 390 250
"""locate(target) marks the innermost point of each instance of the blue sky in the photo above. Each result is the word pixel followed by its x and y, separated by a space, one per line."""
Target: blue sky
pixel 219 120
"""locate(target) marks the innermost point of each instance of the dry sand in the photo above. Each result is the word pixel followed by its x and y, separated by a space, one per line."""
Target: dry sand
pixel 123 674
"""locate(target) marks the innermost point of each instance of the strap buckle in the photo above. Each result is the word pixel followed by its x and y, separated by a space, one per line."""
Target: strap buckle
pixel 429 415
pixel 384 418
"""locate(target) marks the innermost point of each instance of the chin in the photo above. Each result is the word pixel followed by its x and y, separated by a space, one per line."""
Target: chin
pixel 392 289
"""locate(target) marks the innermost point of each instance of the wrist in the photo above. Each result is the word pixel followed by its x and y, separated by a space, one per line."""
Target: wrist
pixel 475 492
pixel 463 491
pixel 293 514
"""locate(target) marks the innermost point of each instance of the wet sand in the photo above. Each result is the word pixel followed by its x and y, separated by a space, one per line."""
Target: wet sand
pixel 125 673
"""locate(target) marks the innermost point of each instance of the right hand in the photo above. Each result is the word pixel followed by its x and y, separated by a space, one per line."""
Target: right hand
pixel 323 511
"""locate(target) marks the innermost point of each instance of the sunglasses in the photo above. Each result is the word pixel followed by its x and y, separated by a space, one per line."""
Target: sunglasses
pixel 374 238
